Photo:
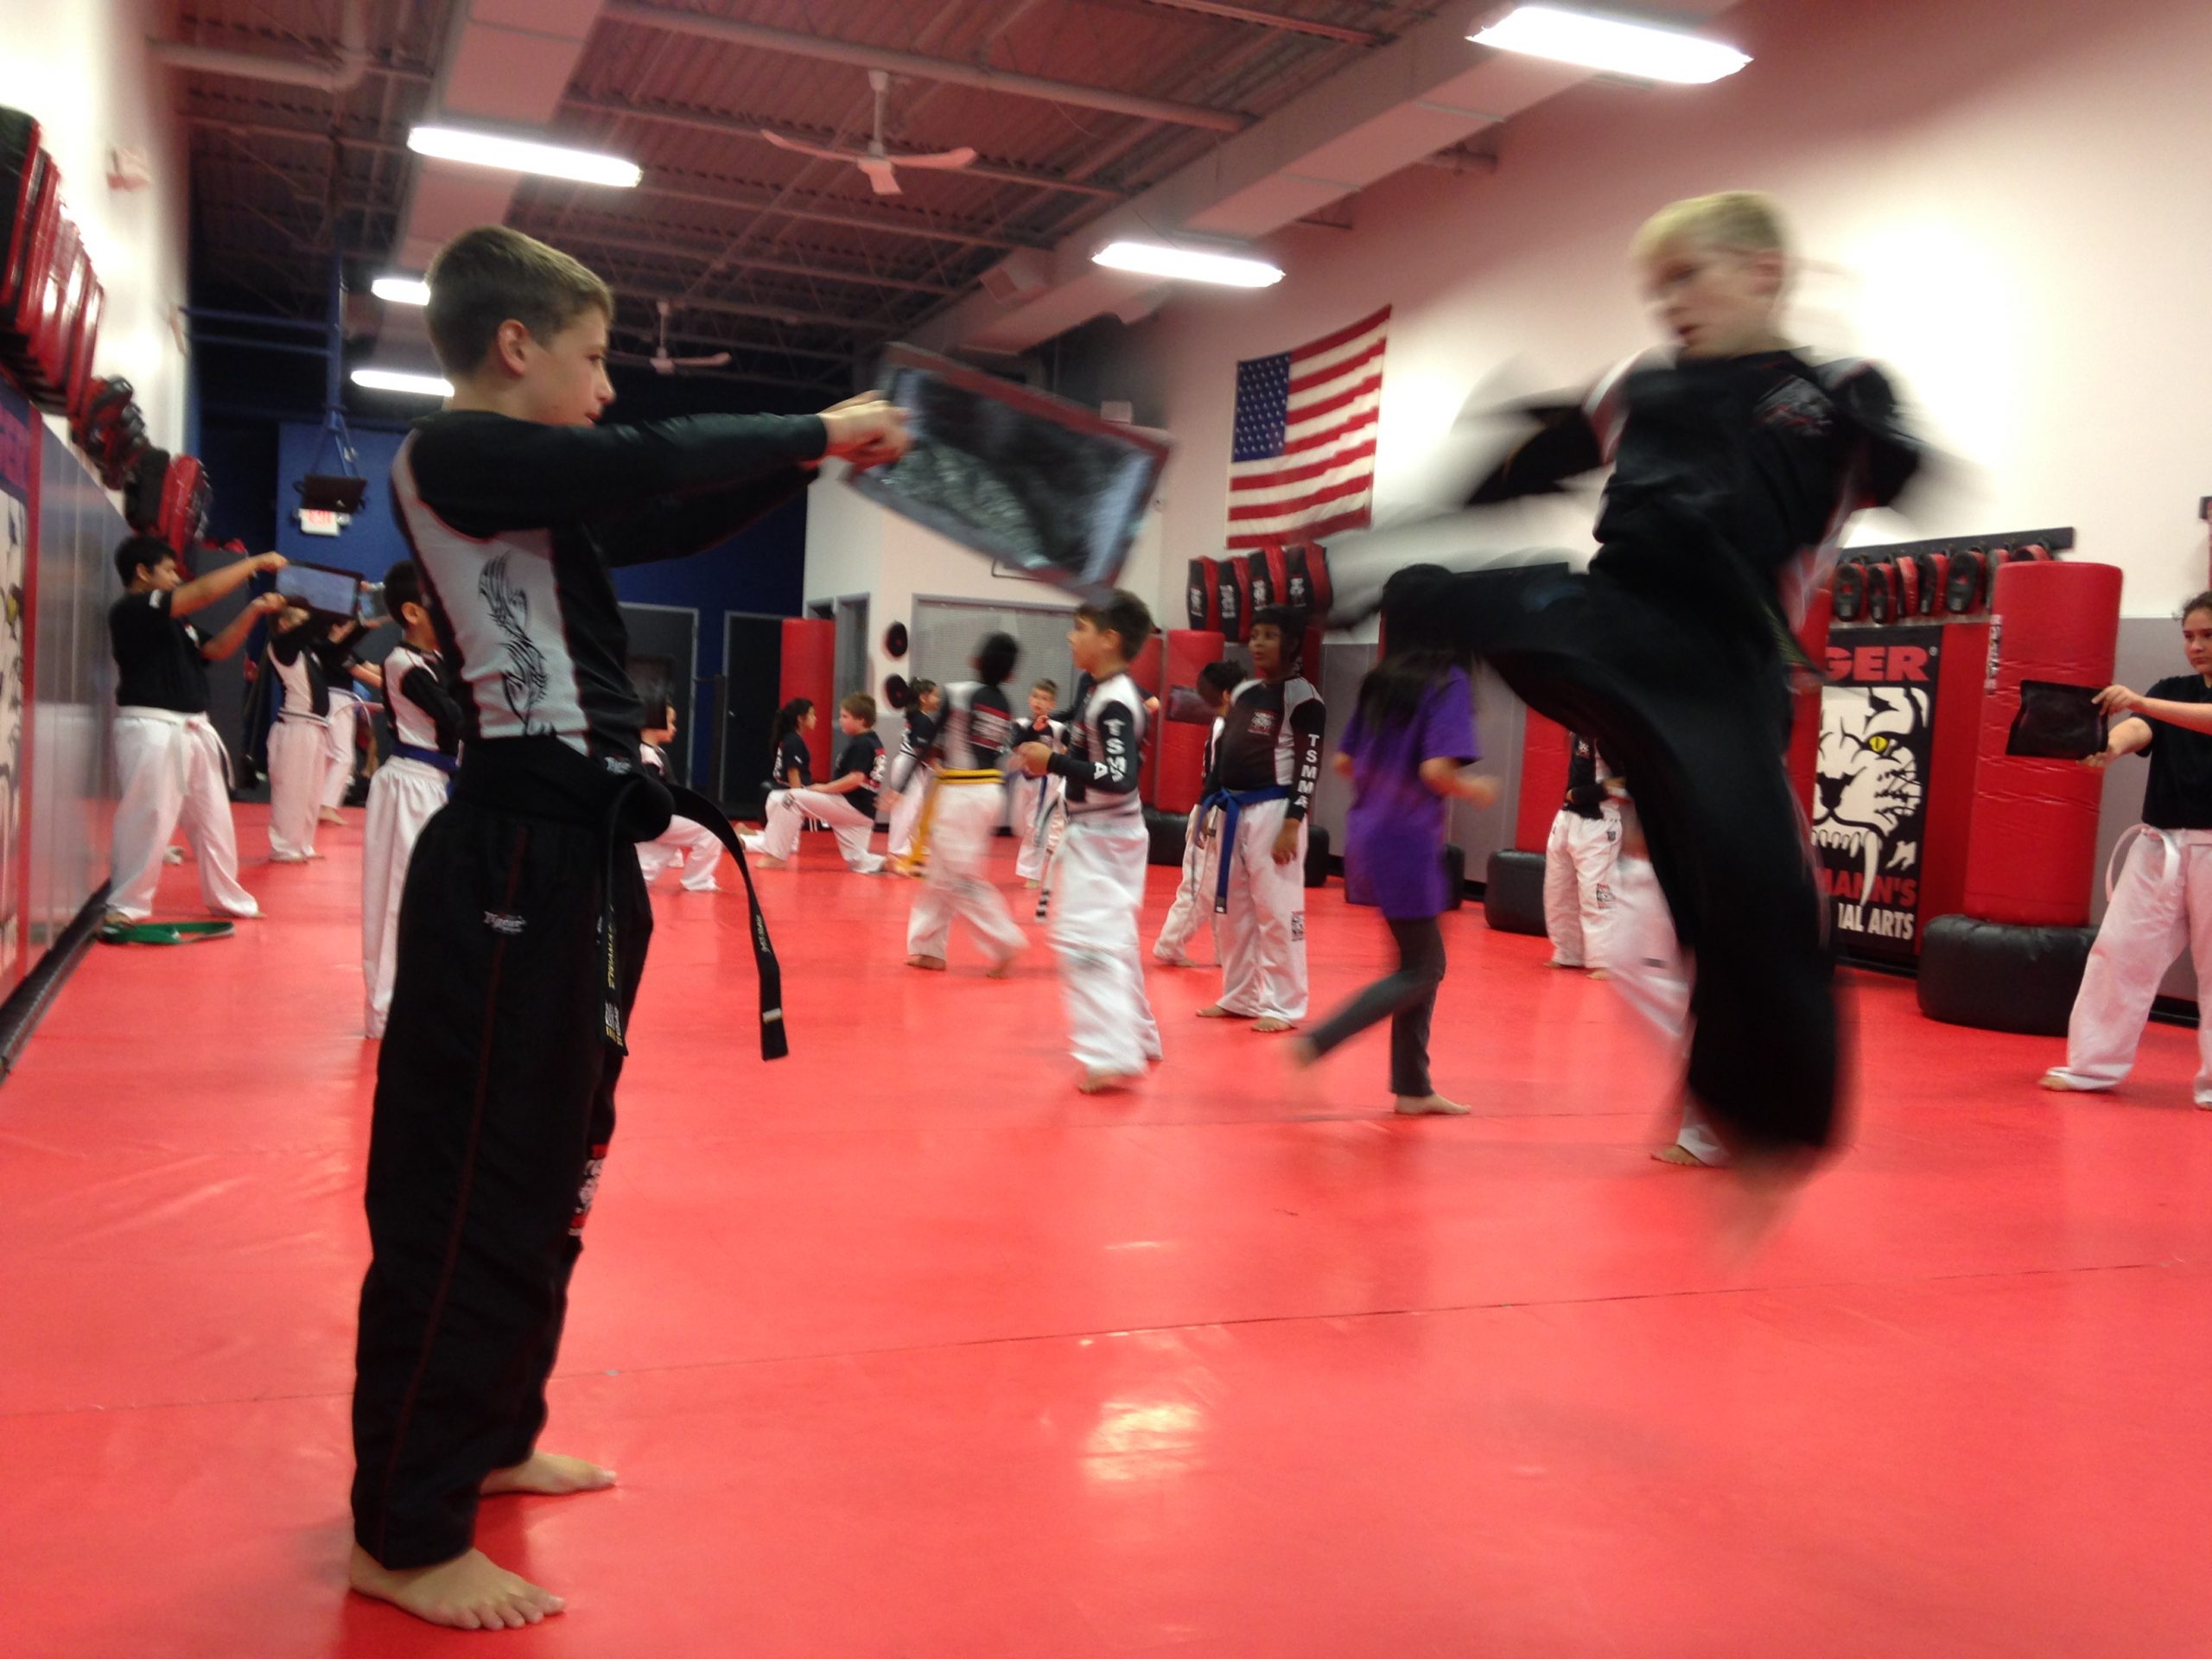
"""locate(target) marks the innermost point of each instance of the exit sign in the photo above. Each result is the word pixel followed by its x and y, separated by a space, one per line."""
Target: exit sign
pixel 314 521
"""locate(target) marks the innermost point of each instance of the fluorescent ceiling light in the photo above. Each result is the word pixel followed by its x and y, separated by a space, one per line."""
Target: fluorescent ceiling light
pixel 423 385
pixel 1612 44
pixel 401 290
pixel 1190 264
pixel 522 156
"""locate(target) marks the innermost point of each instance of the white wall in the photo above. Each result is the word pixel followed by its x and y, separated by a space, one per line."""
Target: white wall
pixel 2003 200
pixel 81 68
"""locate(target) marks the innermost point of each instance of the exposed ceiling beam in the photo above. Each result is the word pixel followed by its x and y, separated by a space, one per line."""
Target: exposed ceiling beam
pixel 919 67
pixel 587 232
pixel 895 224
pixel 739 127
pixel 1276 20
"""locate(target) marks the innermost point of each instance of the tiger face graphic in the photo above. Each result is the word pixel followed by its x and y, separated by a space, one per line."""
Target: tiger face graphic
pixel 1869 773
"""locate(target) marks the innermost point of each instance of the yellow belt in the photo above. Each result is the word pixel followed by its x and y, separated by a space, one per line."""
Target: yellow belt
pixel 992 776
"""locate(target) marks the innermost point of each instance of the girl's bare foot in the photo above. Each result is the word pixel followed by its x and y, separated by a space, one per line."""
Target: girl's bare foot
pixel 549 1474
pixel 1429 1106
pixel 1270 1024
pixel 934 964
pixel 1104 1082
pixel 469 1592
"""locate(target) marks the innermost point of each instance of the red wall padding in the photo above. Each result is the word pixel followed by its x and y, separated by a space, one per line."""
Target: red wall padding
pixel 809 671
pixel 1805 709
pixel 1146 671
pixel 1543 781
pixel 1181 750
pixel 2032 840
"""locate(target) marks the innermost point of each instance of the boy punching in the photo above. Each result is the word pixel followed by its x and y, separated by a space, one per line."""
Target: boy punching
pixel 168 758
pixel 1098 881
pixel 1735 465
pixel 410 789
pixel 524 927
pixel 1267 764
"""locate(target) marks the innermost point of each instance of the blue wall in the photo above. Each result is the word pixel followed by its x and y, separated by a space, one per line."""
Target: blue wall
pixel 762 569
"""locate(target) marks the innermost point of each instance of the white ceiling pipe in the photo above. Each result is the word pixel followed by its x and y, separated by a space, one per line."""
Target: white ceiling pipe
pixel 341 76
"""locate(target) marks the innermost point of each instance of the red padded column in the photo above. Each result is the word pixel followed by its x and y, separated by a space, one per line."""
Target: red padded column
pixel 1146 671
pixel 1805 707
pixel 1543 781
pixel 2032 840
pixel 1181 750
pixel 810 671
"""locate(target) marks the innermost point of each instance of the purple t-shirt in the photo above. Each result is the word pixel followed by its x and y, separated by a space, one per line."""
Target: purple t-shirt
pixel 1394 834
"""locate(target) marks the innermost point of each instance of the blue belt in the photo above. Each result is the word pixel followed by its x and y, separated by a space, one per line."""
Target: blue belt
pixel 1232 803
pixel 445 763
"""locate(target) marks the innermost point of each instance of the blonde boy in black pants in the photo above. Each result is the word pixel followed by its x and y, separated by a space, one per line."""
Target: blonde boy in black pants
pixel 523 931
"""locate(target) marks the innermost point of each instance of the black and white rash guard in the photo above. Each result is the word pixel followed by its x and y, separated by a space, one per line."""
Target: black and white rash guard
pixel 974 727
pixel 515 526
pixel 1271 738
pixel 423 712
pixel 299 674
pixel 1105 744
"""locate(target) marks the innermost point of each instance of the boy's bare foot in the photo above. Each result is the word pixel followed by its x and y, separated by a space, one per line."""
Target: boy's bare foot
pixel 935 964
pixel 1270 1023
pixel 1678 1154
pixel 549 1474
pixel 1215 1011
pixel 1104 1082
pixel 1429 1106
pixel 1599 973
pixel 1004 965
pixel 469 1592
pixel 1172 962
pixel 330 815
pixel 1556 962
pixel 2057 1079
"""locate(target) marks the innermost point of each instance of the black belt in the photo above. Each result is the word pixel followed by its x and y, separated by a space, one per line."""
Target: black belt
pixel 543 777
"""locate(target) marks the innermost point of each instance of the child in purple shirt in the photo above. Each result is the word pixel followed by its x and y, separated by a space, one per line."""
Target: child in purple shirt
pixel 1404 748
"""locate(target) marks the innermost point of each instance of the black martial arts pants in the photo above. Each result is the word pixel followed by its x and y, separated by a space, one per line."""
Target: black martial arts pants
pixel 495 1106
pixel 1695 715
pixel 1406 999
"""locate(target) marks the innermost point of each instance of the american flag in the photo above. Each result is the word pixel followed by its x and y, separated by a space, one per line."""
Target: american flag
pixel 1303 464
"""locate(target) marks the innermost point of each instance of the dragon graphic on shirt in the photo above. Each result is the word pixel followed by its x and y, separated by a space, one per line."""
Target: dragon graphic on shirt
pixel 1869 773
pixel 523 680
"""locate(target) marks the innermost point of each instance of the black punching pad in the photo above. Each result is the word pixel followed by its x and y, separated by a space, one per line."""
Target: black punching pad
pixel 1166 831
pixel 1455 876
pixel 1316 856
pixel 2002 977
pixel 1513 892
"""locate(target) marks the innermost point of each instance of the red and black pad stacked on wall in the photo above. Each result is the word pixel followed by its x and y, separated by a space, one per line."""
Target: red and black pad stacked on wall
pixel 50 298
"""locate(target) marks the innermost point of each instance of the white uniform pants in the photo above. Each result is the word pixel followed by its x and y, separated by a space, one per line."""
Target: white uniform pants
pixel 1040 842
pixel 1262 940
pixel 1097 889
pixel 170 766
pixel 340 736
pixel 403 796
pixel 693 845
pixel 1193 905
pixel 298 758
pixel 1577 885
pixel 908 813
pixel 957 881
pixel 2161 905
pixel 1645 961
pixel 788 809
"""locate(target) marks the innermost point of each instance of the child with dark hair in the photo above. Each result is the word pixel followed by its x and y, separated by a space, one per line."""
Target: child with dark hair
pixel 904 803
pixel 1404 750
pixel 410 789
pixel 967 800
pixel 298 747
pixel 846 802
pixel 168 761
pixel 694 846
pixel 1038 806
pixel 793 767
pixel 1099 879
pixel 1268 765
pixel 523 924
pixel 1194 894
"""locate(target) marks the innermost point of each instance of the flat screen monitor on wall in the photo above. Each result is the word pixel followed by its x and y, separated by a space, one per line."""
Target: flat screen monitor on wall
pixel 1017 475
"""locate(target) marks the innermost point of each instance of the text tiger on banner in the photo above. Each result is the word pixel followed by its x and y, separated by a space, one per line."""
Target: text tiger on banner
pixel 1302 463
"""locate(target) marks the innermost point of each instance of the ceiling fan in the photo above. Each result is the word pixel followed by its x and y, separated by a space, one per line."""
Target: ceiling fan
pixel 660 362
pixel 875 161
